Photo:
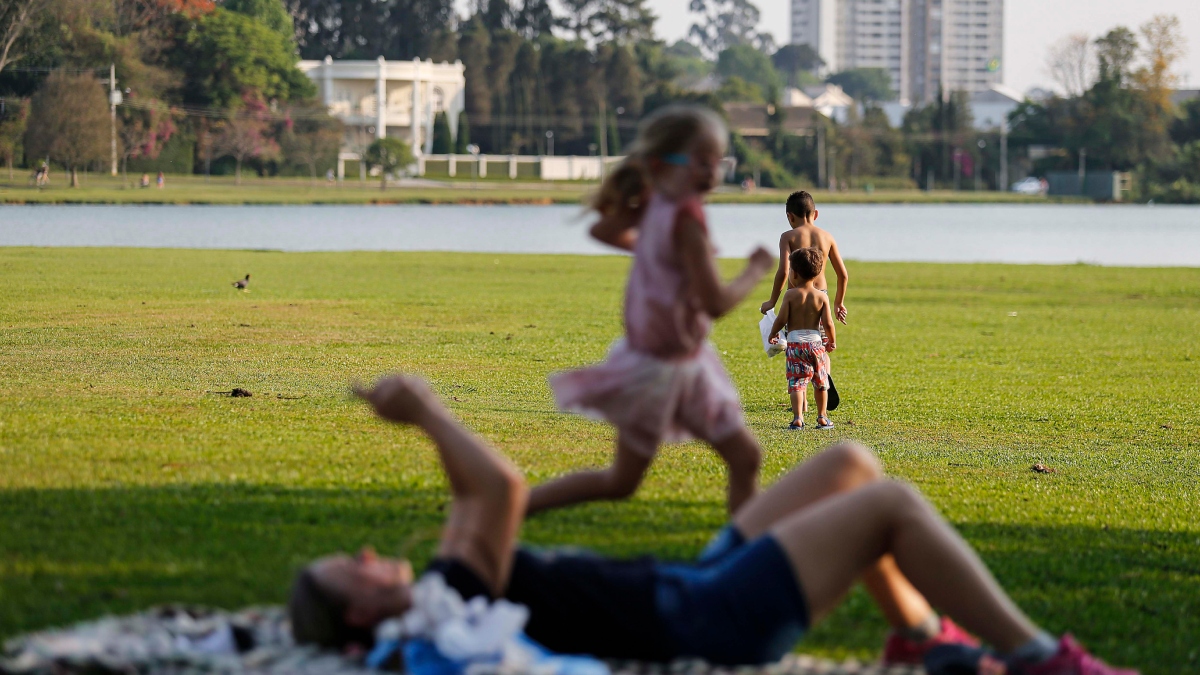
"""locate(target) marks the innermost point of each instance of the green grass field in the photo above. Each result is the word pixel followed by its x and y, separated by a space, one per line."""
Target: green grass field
pixel 126 481
pixel 103 189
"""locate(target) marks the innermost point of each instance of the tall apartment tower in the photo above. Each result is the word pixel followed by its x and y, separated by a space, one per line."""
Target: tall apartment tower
pixel 962 46
pixel 925 45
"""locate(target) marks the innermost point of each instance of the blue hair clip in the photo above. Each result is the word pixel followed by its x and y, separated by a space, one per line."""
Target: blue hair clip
pixel 677 159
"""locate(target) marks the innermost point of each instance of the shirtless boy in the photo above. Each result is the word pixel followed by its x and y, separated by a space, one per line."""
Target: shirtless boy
pixel 805 311
pixel 802 216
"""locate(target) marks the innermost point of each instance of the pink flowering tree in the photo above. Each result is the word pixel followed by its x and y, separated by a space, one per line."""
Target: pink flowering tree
pixel 247 134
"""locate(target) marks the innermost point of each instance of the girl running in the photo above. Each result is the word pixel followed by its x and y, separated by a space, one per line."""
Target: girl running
pixel 663 382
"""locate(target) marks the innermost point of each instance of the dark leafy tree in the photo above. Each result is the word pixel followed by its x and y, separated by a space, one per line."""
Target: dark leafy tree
pixel 224 54
pixel 474 46
pixel 388 154
pixel 142 132
pixel 246 134
pixel 523 90
pixel 12 131
pixel 312 138
pixel 1187 127
pixel 624 81
pixel 366 29
pixel 864 84
pixel 68 122
pixel 624 21
pixel 736 90
pixel 18 20
pixel 793 60
pixel 725 23
pixel 271 13
pixel 463 138
pixel 534 20
pixel 502 59
pixel 936 130
pixel 750 65
pixel 443 141
pixel 578 18
pixel 1115 52
pixel 682 62
pixel 496 15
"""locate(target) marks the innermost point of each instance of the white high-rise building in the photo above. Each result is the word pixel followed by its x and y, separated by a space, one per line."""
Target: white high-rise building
pixel 925 45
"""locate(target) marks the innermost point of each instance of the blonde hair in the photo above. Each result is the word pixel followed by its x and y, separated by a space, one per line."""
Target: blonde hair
pixel 670 130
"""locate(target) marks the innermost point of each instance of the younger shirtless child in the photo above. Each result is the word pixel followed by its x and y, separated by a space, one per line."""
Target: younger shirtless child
pixel 805 311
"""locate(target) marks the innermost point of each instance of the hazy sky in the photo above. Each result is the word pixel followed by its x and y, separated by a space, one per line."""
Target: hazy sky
pixel 1030 26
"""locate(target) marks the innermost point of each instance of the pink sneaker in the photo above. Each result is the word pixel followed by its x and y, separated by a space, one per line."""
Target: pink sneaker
pixel 1071 659
pixel 899 650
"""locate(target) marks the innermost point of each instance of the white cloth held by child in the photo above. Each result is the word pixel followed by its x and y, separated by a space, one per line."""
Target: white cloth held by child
pixel 764 327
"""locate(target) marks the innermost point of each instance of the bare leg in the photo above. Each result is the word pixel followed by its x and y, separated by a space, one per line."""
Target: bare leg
pixel 797 406
pixel 618 481
pixel 743 456
pixel 833 542
pixel 900 602
pixel 840 468
pixel 822 403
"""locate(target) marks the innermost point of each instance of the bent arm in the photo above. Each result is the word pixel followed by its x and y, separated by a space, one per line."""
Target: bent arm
pixel 843 277
pixel 488 492
pixel 616 229
pixel 781 319
pixel 780 277
pixel 701 268
pixel 827 322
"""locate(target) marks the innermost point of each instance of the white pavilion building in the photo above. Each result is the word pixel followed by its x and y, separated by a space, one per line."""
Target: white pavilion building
pixel 380 98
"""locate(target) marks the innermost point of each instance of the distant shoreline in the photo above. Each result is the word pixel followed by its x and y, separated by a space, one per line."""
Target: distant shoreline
pixel 185 190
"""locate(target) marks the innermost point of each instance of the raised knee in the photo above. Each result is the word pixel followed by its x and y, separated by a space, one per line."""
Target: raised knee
pixel 858 461
pixel 899 498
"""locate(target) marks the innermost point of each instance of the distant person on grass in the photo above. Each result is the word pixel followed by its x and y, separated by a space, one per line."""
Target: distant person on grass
pixel 663 382
pixel 786 560
pixel 810 335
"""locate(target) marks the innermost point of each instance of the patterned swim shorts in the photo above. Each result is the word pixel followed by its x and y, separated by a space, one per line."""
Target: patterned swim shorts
pixel 807 361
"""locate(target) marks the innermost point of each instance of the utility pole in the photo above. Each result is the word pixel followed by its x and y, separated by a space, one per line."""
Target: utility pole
pixel 821 155
pixel 957 168
pixel 1003 156
pixel 832 168
pixel 603 136
pixel 1082 170
pixel 114 97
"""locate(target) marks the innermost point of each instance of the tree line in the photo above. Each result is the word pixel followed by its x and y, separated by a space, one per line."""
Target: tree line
pixel 212 87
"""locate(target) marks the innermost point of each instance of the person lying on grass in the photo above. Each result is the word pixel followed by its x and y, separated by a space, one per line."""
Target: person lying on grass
pixel 785 561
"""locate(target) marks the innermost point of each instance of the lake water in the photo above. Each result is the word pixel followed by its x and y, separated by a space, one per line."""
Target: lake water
pixel 1107 235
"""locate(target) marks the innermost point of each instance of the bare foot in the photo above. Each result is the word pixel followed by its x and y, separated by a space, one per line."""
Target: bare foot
pixel 400 398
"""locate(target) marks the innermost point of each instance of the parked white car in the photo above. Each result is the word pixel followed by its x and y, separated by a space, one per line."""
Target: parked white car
pixel 1029 186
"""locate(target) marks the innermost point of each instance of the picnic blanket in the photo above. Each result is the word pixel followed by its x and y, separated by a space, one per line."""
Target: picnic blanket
pixel 174 640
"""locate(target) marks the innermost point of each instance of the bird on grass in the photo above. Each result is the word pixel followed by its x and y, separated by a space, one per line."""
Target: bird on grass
pixel 242 284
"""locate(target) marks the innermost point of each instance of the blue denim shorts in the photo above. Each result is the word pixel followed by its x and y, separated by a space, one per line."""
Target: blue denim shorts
pixel 743 607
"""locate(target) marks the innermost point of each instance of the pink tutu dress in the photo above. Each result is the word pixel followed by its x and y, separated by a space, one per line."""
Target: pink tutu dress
pixel 662 382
